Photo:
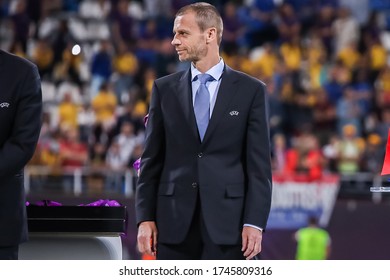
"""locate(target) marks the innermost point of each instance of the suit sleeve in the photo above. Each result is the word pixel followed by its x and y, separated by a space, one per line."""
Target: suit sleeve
pixel 20 146
pixel 152 161
pixel 258 198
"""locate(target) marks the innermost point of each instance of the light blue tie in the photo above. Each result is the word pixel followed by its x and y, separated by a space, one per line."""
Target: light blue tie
pixel 202 104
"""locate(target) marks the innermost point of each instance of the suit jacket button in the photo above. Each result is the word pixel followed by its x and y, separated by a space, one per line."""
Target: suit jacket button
pixel 194 185
pixel 200 155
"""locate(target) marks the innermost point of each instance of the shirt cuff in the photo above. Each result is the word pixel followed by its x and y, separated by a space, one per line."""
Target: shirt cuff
pixel 249 225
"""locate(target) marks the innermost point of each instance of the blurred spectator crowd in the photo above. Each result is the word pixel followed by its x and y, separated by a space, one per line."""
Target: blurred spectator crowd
pixel 325 63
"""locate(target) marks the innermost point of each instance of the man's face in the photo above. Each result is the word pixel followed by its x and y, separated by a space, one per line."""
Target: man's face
pixel 188 40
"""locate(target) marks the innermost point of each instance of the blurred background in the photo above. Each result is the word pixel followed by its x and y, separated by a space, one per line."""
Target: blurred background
pixel 326 66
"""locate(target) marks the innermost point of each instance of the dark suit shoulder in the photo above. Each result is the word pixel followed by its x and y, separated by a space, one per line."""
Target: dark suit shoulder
pixel 245 77
pixel 171 77
pixel 14 61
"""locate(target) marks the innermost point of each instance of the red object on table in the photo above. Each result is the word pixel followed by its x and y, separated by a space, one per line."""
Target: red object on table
pixel 386 163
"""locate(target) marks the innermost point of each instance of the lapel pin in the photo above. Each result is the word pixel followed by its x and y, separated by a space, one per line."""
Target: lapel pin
pixel 234 113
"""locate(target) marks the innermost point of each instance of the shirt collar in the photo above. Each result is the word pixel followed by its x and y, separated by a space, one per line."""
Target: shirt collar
pixel 215 71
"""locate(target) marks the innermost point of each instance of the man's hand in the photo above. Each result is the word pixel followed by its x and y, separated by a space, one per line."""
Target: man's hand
pixel 147 238
pixel 251 241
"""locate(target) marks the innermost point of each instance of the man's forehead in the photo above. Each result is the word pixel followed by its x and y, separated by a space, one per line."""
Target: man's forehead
pixel 178 20
pixel 187 19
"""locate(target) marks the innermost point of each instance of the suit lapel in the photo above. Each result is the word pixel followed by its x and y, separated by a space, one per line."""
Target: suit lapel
pixel 1 56
pixel 184 95
pixel 226 91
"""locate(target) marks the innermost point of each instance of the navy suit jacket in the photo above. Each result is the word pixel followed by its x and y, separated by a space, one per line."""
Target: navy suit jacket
pixel 20 123
pixel 230 171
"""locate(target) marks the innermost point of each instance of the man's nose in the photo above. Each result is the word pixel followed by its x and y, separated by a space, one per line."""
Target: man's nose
pixel 175 41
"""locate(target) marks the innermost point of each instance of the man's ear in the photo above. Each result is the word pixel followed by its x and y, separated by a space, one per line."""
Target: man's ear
pixel 211 34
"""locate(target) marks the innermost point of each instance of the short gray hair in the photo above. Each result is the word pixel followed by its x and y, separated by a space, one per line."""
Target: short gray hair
pixel 206 16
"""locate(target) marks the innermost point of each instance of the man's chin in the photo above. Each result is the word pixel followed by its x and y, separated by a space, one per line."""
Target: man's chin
pixel 183 58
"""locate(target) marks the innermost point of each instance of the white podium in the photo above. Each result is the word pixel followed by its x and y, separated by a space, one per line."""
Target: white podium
pixel 74 233
pixel 72 246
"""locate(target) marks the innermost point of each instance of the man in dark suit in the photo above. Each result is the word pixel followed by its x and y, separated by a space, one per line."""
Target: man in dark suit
pixel 20 115
pixel 204 193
